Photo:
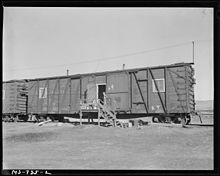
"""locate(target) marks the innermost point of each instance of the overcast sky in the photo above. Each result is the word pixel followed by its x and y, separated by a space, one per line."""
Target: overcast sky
pixel 42 42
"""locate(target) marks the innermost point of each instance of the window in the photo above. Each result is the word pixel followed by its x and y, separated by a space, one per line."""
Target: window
pixel 43 92
pixel 160 85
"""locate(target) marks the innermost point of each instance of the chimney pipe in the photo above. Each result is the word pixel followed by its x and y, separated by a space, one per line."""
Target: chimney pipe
pixel 123 67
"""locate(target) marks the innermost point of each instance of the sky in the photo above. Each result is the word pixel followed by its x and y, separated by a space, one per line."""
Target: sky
pixel 46 41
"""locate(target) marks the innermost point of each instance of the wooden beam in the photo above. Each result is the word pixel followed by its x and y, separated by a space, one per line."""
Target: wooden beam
pixel 166 87
pixel 164 109
pixel 140 92
pixel 80 114
pixel 148 89
pixel 98 116
pixel 131 91
pixel 187 89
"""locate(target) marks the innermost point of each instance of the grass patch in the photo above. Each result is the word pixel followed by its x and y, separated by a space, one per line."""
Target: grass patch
pixel 31 137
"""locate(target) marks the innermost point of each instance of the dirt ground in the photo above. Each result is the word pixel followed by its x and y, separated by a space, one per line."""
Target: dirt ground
pixel 67 146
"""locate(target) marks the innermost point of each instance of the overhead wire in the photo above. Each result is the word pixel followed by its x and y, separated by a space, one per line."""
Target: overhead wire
pixel 111 57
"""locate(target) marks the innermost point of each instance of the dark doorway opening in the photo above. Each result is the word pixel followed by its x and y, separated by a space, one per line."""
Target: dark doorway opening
pixel 101 89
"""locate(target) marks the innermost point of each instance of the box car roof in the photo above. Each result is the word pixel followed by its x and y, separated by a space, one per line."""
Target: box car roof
pixel 102 73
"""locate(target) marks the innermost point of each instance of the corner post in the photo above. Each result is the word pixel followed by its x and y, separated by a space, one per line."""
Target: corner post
pixel 80 114
pixel 98 117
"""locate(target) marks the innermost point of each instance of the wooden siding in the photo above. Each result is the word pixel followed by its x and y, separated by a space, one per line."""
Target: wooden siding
pixel 13 101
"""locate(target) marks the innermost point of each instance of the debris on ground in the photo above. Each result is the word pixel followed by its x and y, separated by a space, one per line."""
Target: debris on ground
pixel 44 122
pixel 137 123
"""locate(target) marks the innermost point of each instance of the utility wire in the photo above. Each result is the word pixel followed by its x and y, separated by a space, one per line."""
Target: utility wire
pixel 112 57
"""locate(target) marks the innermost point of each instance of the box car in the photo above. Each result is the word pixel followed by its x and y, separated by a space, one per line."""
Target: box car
pixel 14 99
pixel 161 92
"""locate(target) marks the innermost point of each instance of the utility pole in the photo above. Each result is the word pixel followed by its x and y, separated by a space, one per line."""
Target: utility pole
pixel 193 51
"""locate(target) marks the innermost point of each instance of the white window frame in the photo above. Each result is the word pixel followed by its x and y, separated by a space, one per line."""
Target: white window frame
pixel 41 90
pixel 154 86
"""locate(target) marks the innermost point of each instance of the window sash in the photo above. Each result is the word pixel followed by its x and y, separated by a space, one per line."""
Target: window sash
pixel 43 92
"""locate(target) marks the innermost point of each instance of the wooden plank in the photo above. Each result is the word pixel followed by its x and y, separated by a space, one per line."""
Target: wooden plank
pixel 131 93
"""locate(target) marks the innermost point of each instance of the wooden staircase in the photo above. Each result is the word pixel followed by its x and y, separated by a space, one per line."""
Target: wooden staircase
pixel 107 113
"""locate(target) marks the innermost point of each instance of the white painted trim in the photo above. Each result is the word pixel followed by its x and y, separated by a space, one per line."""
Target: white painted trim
pixel 41 90
pixel 3 93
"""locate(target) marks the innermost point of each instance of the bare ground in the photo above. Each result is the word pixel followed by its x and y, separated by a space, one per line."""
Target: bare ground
pixel 65 146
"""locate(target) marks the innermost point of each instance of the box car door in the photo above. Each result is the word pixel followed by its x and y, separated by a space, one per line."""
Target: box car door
pixel 53 95
pixel 117 90
pixel 75 96
pixel 33 96
pixel 139 91
pixel 64 96
pixel 43 96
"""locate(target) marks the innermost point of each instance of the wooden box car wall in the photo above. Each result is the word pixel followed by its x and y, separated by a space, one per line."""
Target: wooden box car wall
pixel 9 98
pixel 176 91
pixel 175 96
pixel 54 96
